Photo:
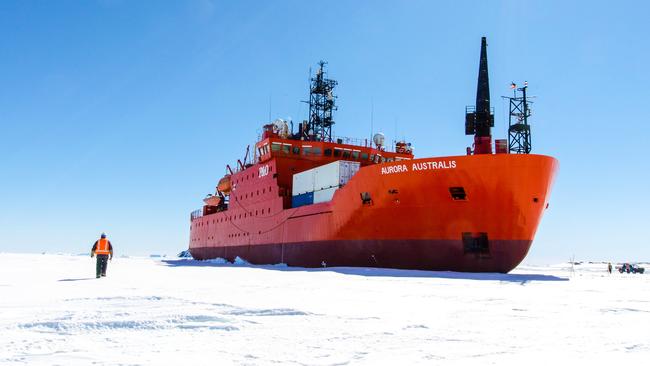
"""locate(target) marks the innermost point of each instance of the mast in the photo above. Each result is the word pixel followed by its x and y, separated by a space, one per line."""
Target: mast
pixel 479 119
pixel 519 139
pixel 321 106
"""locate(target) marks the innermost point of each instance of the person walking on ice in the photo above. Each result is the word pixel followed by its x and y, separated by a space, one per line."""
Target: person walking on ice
pixel 104 251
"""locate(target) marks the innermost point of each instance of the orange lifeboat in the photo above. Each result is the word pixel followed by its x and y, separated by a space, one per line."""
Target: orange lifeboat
pixel 224 185
pixel 212 200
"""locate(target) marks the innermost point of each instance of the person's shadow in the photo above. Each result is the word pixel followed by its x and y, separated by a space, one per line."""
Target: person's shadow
pixel 76 279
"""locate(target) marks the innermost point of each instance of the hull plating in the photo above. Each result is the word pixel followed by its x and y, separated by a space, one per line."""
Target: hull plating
pixel 412 220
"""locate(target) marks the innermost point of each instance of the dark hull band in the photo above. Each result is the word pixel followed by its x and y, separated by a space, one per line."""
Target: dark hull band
pixel 440 255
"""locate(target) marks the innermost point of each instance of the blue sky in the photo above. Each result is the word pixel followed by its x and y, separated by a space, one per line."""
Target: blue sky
pixel 119 116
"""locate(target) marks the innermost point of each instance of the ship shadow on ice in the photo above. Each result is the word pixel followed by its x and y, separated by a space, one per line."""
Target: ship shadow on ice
pixel 376 272
pixel 478 276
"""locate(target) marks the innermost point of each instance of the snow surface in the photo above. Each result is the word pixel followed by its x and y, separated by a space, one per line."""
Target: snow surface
pixel 171 312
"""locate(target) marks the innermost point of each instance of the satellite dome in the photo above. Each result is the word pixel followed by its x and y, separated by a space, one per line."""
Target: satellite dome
pixel 378 139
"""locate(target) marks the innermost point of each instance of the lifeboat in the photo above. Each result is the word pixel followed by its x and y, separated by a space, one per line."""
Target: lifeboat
pixel 212 200
pixel 225 185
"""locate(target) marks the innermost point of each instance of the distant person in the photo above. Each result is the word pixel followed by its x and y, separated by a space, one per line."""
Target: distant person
pixel 104 251
pixel 609 268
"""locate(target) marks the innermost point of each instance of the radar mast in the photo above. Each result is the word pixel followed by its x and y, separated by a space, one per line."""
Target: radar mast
pixel 321 106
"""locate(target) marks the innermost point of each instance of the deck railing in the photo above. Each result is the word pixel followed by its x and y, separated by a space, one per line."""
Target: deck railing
pixel 361 142
pixel 351 141
pixel 196 214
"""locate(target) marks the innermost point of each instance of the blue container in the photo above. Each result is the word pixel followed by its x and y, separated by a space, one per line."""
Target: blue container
pixel 302 199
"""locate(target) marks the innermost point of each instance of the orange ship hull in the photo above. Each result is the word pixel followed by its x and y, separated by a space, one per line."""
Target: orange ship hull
pixel 474 213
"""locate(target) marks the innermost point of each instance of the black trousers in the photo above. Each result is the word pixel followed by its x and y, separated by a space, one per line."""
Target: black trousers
pixel 102 263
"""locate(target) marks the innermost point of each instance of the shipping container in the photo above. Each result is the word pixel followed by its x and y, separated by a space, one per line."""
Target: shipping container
pixel 333 175
pixel 302 199
pixel 327 176
pixel 324 195
pixel 303 182
pixel 346 170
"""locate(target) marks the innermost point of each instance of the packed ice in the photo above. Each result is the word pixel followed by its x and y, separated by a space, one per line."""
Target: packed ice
pixel 163 311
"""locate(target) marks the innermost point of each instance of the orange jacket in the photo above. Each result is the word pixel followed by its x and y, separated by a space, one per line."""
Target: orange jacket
pixel 102 246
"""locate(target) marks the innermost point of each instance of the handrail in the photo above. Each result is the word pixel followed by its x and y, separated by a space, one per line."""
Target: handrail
pixel 352 141
pixel 196 214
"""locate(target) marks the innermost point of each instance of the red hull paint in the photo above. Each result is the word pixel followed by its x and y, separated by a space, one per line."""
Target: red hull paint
pixel 412 222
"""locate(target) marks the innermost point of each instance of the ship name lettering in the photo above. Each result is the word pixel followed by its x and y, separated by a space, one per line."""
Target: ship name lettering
pixel 264 171
pixel 432 165
pixel 394 169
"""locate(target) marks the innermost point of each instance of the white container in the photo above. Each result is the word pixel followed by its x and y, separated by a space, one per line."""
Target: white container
pixel 324 195
pixel 347 170
pixel 333 175
pixel 303 182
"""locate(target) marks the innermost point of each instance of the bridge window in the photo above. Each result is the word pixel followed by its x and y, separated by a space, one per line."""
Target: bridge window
pixel 328 152
pixel 296 150
pixel 317 151
pixel 286 148
pixel 306 150
pixel 337 152
pixel 275 146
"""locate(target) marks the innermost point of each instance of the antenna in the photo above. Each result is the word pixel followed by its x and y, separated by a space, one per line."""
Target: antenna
pixel 519 138
pixel 321 105
pixel 395 135
pixel 372 116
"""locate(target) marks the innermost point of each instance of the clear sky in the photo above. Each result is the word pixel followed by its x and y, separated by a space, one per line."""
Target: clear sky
pixel 120 116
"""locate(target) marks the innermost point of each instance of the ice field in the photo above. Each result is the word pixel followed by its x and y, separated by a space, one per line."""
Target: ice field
pixel 172 311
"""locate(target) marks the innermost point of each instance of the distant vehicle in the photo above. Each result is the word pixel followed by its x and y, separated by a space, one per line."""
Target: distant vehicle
pixel 630 268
